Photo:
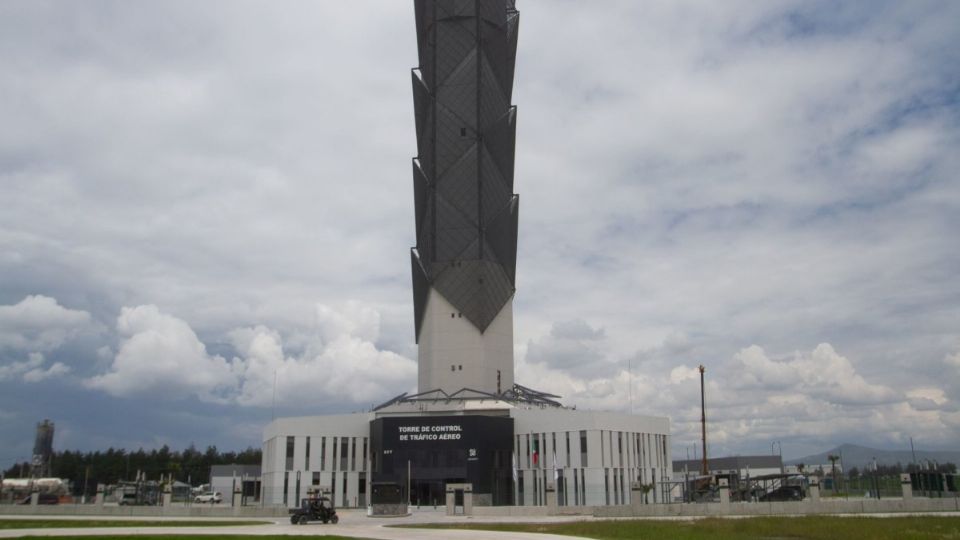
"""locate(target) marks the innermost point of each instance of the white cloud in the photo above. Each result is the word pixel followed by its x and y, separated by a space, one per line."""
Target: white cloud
pixel 58 369
pixel 16 368
pixel 39 324
pixel 681 374
pixel 822 373
pixel 32 370
pixel 162 356
pixel 814 395
pixel 345 368
pixel 353 319
pixel 923 403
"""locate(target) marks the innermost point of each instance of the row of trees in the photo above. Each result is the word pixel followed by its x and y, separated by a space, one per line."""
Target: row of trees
pixel 109 467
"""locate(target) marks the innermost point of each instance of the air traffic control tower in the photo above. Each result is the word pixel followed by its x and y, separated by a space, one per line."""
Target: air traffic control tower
pixel 469 423
pixel 464 263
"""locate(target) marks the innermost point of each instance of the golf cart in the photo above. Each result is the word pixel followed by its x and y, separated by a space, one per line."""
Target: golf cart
pixel 314 508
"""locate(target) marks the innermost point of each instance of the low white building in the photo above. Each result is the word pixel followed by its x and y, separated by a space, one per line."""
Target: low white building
pixel 327 452
pixel 743 466
pixel 226 479
pixel 511 451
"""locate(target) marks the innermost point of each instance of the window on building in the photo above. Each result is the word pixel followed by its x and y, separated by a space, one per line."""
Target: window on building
pixel 315 481
pixel 344 499
pixel 353 455
pixel 520 501
pixel 616 488
pixel 653 480
pixel 286 487
pixel 567 434
pixel 553 450
pixel 639 453
pixel 606 486
pixel 583 449
pixel 289 466
pixel 583 489
pixel 528 450
pixel 536 450
pixel 362 490
pixel 536 488
pixel 306 460
pixel 296 500
pixel 344 442
pixel 323 453
pixel 664 447
pixel 561 493
pixel 363 464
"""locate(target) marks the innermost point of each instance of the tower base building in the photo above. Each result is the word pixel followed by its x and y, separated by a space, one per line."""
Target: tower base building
pixel 511 453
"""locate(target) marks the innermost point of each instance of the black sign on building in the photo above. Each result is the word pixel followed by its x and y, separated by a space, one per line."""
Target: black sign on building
pixel 437 450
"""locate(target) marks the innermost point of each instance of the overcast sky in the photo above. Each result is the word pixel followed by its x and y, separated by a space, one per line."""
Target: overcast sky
pixel 202 199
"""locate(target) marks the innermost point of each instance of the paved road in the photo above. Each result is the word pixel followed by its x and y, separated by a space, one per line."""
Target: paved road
pixel 352 523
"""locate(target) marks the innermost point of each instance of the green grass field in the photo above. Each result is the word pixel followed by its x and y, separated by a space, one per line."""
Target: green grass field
pixel 88 523
pixel 761 528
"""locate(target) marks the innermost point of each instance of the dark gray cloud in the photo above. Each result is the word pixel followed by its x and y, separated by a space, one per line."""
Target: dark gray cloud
pixel 573 347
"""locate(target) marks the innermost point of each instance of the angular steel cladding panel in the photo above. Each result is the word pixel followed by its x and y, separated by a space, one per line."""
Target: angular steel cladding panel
pixel 466 212
pixel 421 289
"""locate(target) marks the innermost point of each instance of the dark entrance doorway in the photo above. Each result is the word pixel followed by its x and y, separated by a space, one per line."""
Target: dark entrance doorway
pixel 429 492
pixel 429 452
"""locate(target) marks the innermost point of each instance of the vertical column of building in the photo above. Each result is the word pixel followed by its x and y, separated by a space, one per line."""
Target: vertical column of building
pixel 464 262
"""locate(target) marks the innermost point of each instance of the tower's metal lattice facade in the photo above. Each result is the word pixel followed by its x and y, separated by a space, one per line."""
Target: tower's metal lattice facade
pixel 466 211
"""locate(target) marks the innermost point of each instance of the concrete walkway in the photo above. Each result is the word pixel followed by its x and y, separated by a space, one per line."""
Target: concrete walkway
pixel 354 524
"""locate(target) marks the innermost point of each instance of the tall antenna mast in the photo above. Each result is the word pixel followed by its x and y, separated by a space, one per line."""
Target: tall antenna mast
pixel 703 424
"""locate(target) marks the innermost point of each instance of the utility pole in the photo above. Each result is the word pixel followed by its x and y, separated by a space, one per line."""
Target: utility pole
pixel 703 423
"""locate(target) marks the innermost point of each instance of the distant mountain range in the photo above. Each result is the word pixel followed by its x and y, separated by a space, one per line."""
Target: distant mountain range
pixel 860 456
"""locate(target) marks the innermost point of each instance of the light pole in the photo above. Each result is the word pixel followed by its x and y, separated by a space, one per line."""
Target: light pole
pixel 703 422
pixel 780 447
